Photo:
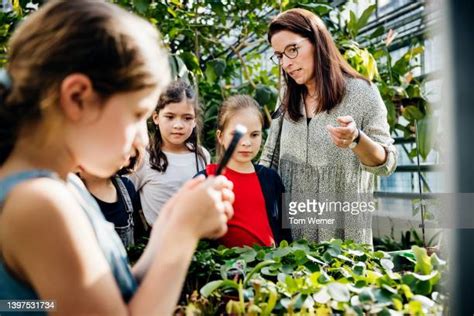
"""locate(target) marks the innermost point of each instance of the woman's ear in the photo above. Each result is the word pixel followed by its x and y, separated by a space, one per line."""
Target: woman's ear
pixel 76 95
pixel 219 136
pixel 155 117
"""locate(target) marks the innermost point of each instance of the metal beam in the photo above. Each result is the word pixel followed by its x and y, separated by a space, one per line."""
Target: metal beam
pixel 459 80
pixel 404 195
pixel 428 167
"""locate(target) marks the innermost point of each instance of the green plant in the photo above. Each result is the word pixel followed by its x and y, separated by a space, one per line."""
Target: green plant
pixel 134 252
pixel 408 239
pixel 332 277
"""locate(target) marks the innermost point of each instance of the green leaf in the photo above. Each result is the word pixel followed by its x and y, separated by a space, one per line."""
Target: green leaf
pixel 436 262
pixel 354 289
pixel 412 113
pixel 378 32
pixel 264 95
pixel 344 258
pixel 300 256
pixel 272 299
pixel 352 24
pixel 416 51
pixel 210 74
pixel 322 296
pixel 397 304
pixel 413 91
pixel 219 66
pixel 356 253
pixel 391 113
pixel 425 129
pixel 334 251
pixel 257 268
pixel 415 308
pixel 425 301
pixel 387 264
pixel 318 8
pixel 313 259
pixel 423 287
pixel 389 289
pixel 176 3
pixel 281 277
pixel 403 65
pixel 339 292
pixel 212 286
pixel 372 71
pixel 366 296
pixel 364 18
pixel 409 280
pixel 385 312
pixel 291 284
pixel 281 252
pixel 373 276
pixel 172 12
pixel 423 262
pixel 269 272
pixel 423 277
pixel 324 278
pixel 287 268
pixel 359 268
pixel 190 60
pixel 383 296
pixel 141 5
pixel 218 8
pixel 248 254
pixel 380 254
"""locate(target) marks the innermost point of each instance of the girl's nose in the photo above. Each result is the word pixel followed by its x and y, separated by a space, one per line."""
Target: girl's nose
pixel 246 142
pixel 178 124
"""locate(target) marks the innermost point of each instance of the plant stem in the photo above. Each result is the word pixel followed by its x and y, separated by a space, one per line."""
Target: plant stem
pixel 420 188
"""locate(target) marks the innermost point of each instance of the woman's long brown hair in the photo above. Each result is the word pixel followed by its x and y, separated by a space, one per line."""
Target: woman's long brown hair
pixel 330 68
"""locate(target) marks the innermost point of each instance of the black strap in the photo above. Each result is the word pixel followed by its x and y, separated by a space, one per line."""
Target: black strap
pixel 276 149
pixel 125 197
pixel 196 157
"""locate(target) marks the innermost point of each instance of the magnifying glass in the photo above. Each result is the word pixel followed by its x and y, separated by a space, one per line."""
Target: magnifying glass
pixel 239 131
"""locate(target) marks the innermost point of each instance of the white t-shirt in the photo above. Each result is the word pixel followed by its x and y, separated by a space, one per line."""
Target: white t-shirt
pixel 156 188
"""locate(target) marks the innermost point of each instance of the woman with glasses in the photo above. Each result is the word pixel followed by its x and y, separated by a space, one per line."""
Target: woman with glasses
pixel 330 137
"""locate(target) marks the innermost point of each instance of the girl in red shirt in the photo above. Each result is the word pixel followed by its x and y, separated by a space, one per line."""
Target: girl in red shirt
pixel 257 189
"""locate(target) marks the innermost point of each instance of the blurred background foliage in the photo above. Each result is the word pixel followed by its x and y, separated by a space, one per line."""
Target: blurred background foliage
pixel 221 48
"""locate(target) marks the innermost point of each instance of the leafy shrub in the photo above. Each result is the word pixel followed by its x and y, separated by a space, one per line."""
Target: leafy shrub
pixel 332 277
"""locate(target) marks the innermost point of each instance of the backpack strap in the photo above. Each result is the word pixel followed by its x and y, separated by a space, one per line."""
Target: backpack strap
pixel 125 197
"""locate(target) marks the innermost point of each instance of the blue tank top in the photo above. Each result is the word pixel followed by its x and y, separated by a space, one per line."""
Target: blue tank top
pixel 13 289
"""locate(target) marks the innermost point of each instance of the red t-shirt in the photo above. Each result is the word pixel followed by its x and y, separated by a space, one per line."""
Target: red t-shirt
pixel 250 224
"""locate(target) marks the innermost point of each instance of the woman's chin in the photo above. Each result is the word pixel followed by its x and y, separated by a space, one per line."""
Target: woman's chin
pixel 299 80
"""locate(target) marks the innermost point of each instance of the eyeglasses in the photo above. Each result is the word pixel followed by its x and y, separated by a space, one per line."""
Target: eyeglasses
pixel 291 51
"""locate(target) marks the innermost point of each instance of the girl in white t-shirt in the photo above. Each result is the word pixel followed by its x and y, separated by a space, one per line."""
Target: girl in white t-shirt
pixel 173 156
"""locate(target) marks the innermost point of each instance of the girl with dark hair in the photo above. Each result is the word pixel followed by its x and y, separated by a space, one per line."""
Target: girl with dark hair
pixel 174 155
pixel 339 120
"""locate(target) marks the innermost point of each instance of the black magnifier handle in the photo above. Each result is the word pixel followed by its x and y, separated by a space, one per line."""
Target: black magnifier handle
pixel 239 131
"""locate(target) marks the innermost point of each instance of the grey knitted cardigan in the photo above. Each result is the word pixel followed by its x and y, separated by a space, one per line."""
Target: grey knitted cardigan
pixel 312 166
